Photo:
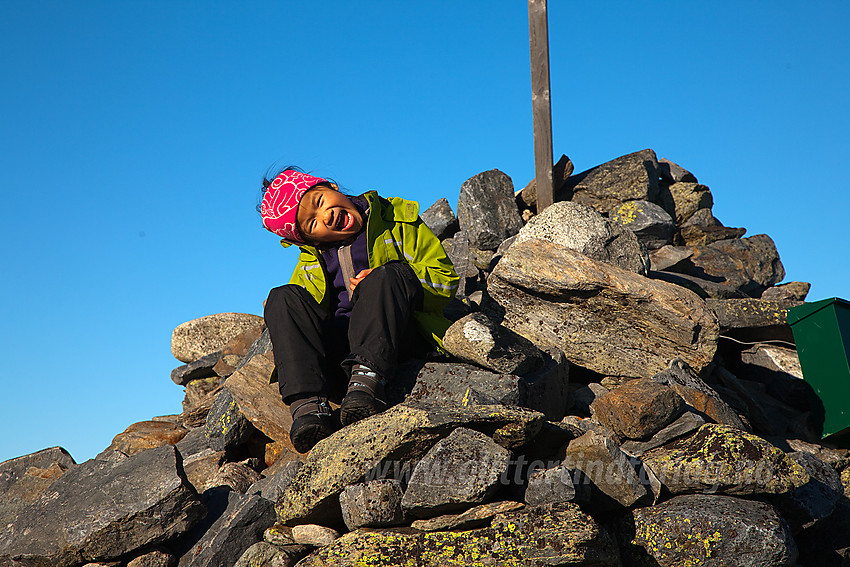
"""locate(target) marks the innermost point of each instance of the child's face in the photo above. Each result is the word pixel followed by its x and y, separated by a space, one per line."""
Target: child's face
pixel 327 216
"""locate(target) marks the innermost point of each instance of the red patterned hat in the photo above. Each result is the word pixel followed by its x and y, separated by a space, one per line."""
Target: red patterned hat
pixel 280 203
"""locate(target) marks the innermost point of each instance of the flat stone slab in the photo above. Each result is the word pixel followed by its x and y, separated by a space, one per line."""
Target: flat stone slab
pixel 638 409
pixel 199 337
pixel 139 501
pixel 475 517
pixel 532 537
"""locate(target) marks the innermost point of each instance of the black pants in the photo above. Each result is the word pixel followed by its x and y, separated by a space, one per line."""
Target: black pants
pixel 314 351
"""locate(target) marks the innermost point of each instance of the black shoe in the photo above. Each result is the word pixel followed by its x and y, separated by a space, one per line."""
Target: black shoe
pixel 312 422
pixel 364 397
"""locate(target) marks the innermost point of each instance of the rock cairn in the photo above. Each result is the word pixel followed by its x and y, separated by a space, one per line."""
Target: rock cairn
pixel 622 389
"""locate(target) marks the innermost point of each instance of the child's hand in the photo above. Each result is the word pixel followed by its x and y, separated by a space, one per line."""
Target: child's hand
pixel 358 278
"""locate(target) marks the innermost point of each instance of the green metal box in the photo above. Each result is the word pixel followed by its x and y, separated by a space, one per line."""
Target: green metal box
pixel 822 333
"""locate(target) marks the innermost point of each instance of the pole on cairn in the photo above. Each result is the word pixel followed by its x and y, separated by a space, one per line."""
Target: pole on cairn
pixel 538 33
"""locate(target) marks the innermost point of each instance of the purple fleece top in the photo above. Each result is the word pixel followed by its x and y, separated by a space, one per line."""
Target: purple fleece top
pixel 359 257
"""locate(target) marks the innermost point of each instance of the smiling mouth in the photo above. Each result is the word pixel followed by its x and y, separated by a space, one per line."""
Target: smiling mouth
pixel 344 221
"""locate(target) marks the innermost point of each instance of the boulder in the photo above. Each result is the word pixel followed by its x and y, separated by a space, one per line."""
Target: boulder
pixel 638 409
pixel 672 173
pixel 652 225
pixel 668 257
pixel 235 350
pixel 703 217
pixel 199 337
pixel 687 423
pixel 584 230
pixel 461 384
pixel 526 198
pixel 263 554
pixel 476 517
pixel 146 435
pixel 458 472
pixel 752 319
pixel 26 489
pixel 584 397
pixel 440 218
pixel 790 292
pixel 274 483
pixel 156 558
pixel 239 477
pixel 768 362
pixel 478 340
pixel 138 502
pixel 550 486
pixel 632 177
pixel 712 530
pixel 201 368
pixel 314 535
pixel 747 264
pixel 487 211
pixel 234 523
pixel 374 504
pixel 697 235
pixel 226 427
pixel 814 500
pixel 683 198
pixel 403 432
pixel 263 345
pixel 457 249
pixel 702 287
pixel 201 468
pixel 198 390
pixel 719 458
pixel 684 381
pixel 532 537
pixel 603 318
pixel 614 481
pixel 12 470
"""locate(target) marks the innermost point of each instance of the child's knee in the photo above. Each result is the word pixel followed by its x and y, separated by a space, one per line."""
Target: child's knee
pixel 284 296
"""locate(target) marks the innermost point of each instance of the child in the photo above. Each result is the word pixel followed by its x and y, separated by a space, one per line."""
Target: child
pixel 369 271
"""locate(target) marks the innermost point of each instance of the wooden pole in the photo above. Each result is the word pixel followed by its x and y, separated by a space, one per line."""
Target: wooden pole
pixel 538 33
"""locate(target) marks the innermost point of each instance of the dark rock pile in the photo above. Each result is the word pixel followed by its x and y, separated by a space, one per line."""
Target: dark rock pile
pixel 623 389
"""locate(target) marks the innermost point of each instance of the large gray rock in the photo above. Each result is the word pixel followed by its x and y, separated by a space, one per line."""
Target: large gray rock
pixel 613 478
pixel 550 486
pixel 199 337
pixel 476 517
pixel 584 230
pixel 652 225
pixel 713 530
pixel 273 485
pixel 460 471
pixel 486 209
pixel 546 390
pixel 603 318
pixel 532 537
pixel 234 523
pixel 14 469
pixel 457 249
pixel 201 368
pixel 814 500
pixel 226 426
pixel 687 423
pixel 27 487
pixel 403 432
pixel 263 554
pixel 140 501
pixel 791 292
pixel 632 177
pixel 638 408
pixel 747 264
pixel 440 218
pixel 477 339
pixel 719 458
pixel 752 320
pixel 373 504
pixel 682 199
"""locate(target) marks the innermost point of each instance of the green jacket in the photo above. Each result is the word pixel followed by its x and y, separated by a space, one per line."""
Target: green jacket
pixel 394 232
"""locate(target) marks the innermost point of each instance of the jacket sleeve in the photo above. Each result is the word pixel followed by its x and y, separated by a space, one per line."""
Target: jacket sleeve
pixel 425 254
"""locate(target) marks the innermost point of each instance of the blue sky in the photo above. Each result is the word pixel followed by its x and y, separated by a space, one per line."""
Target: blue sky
pixel 133 137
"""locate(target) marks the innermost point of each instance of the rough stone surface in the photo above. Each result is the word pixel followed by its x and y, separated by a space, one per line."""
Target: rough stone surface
pixel 532 537
pixel 373 504
pixel 457 249
pixel 273 485
pixel 638 408
pixel 478 340
pixel 605 319
pixel 699 395
pixel 584 230
pixel 561 171
pixel 226 427
pixel 667 257
pixel 234 523
pixel 550 486
pixel 26 489
pixel 263 554
pixel 746 264
pixel 672 172
pixel 687 423
pixel 156 558
pixel 487 211
pixel 262 345
pixel 141 501
pixel 202 467
pixel 773 359
pixel 475 517
pixel 546 390
pixel 315 535
pixel 146 435
pixel 206 335
pixel 440 218
pixel 584 397
pixel 702 287
pixel 703 217
pixel 696 235
pixel 235 350
pixel 719 458
pixel 713 530
pixel 652 225
pixel 682 199
pixel 13 469
pixel 201 368
pixel 614 480
pixel 237 476
pixel 756 318
pixel 458 472
pixel 791 291
pixel 814 500
pixel 406 431
pixel 632 177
